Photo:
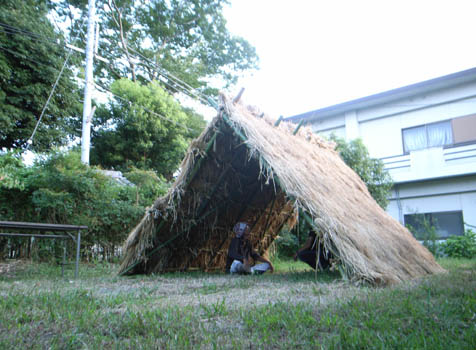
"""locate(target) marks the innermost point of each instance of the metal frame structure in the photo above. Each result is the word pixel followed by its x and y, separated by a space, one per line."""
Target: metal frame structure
pixel 45 228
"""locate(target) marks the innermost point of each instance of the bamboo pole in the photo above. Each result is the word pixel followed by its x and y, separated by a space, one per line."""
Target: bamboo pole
pixel 156 249
pixel 269 214
pixel 298 127
pixel 199 162
pixel 279 120
pixel 237 98
pixel 193 172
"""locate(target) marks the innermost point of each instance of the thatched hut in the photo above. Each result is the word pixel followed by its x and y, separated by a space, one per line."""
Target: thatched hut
pixel 247 167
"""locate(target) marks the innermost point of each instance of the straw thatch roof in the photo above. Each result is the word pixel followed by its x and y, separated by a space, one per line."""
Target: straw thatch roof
pixel 243 168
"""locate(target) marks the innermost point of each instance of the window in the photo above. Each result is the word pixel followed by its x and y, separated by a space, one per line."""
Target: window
pixel 445 223
pixel 428 135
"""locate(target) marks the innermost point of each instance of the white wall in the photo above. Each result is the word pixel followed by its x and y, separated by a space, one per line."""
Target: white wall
pixel 380 127
pixel 430 180
pixel 339 132
pixel 383 136
pixel 458 93
pixel 327 124
pixel 452 194
pixel 431 163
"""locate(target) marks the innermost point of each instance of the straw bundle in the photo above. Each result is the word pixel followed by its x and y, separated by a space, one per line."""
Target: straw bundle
pixel 242 168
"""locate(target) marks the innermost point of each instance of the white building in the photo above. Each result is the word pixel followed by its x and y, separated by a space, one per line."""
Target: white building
pixel 425 134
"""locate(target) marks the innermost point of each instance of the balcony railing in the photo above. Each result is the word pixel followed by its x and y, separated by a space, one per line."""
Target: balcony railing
pixel 461 154
pixel 432 163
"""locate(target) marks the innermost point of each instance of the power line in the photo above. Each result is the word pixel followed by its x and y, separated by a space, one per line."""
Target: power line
pixel 15 30
pixel 171 81
pixel 4 48
pixel 27 58
pixel 30 140
pixel 179 85
pixel 32 36
pixel 389 105
pixel 144 108
pixel 105 90
pixel 187 93
pixel 37 38
pixel 186 87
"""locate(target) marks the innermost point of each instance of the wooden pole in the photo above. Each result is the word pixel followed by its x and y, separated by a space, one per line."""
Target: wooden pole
pixel 78 247
pixel 298 127
pixel 64 259
pixel 269 215
pixel 279 120
pixel 199 162
pixel 156 249
pixel 237 98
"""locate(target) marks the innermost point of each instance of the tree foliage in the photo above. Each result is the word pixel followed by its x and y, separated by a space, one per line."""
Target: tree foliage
pixel 31 55
pixel 186 38
pixel 152 132
pixel 424 228
pixel 148 185
pixel 370 170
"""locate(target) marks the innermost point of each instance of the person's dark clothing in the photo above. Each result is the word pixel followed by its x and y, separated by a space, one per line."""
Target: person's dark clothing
pixel 238 250
pixel 309 255
pixel 312 235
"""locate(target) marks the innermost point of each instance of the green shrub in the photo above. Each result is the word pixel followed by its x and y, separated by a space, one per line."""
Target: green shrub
pixel 60 189
pixel 461 246
pixel 425 231
pixel 148 185
pixel 287 243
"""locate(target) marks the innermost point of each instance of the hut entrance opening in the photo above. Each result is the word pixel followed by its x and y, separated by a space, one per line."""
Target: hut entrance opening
pixel 231 186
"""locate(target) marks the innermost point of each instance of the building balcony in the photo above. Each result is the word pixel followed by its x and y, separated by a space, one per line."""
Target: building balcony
pixel 432 163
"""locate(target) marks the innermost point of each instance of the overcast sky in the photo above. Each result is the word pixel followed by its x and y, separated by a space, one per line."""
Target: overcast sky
pixel 316 53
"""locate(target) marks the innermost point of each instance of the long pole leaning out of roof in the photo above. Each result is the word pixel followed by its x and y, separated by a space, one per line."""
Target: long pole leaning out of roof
pixel 88 85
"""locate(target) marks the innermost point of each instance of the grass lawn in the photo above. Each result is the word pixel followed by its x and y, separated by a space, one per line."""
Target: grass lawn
pixel 291 309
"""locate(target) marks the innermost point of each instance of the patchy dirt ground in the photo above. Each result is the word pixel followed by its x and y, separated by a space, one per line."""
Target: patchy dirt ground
pixel 10 268
pixel 184 289
pixel 291 309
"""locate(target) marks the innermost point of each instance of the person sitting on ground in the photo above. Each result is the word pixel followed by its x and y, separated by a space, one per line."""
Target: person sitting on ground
pixel 308 253
pixel 241 254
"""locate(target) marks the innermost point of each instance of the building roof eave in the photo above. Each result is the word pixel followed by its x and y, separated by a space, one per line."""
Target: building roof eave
pixel 389 96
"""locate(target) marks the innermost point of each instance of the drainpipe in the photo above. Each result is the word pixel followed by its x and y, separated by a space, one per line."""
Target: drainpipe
pixel 399 204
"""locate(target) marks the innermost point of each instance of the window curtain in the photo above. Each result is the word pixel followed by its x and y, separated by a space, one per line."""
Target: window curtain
pixel 414 138
pixel 440 134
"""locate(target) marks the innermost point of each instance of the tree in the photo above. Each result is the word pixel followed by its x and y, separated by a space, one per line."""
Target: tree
pixel 188 39
pixel 31 55
pixel 370 170
pixel 150 132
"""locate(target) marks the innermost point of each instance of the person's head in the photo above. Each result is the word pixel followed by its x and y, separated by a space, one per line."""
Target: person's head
pixel 241 229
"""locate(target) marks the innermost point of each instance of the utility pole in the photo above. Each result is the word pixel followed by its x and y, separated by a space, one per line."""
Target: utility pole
pixel 88 87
